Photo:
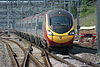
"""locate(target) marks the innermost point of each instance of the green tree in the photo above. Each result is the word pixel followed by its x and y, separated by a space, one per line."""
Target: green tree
pixel 74 9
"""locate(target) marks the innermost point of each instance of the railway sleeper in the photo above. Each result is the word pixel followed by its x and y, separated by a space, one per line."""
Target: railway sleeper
pixel 36 41
pixel 32 39
pixel 28 37
pixel 18 33
pixel 59 50
pixel 44 44
pixel 39 42
pixel 22 35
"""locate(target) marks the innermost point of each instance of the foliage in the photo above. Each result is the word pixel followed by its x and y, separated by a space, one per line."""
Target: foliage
pixel 87 13
pixel 89 20
pixel 74 9
pixel 86 7
pixel 87 10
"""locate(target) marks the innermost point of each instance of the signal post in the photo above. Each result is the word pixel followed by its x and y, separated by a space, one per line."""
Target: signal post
pixel 98 25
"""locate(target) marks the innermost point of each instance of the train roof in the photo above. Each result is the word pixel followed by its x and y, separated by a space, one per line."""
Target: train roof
pixel 59 11
pixel 28 18
pixel 46 12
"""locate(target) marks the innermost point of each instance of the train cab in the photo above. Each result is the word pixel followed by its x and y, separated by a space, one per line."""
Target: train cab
pixel 59 28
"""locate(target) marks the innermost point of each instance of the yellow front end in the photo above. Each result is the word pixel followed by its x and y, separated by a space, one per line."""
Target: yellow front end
pixel 59 38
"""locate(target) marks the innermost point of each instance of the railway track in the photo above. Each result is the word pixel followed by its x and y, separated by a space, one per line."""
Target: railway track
pixel 80 49
pixel 47 56
pixel 65 59
pixel 12 55
pixel 47 59
pixel 4 57
pixel 28 56
pixel 84 62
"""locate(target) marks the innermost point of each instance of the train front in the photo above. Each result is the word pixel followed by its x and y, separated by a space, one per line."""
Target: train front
pixel 59 28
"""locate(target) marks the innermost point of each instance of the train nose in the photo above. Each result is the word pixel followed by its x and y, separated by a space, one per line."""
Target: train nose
pixel 61 39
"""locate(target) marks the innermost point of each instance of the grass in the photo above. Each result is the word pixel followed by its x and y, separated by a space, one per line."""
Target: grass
pixel 87 10
pixel 88 16
pixel 89 20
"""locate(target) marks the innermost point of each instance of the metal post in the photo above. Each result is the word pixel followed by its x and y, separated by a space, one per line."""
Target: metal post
pixel 8 16
pixel 98 25
pixel 51 4
pixel 18 2
pixel 69 6
pixel 64 4
pixel 78 12
pixel 44 3
pixel 18 5
pixel 45 7
pixel 21 17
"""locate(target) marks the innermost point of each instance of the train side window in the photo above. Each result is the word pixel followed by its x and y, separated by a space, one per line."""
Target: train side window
pixel 40 22
pixel 20 24
pixel 34 23
pixel 15 25
pixel 31 23
pixel 24 23
pixel 27 23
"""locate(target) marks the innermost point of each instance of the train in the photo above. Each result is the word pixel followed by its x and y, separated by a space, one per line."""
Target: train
pixel 51 29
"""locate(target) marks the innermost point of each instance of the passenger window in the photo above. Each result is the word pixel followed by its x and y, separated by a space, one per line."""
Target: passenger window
pixel 34 23
pixel 40 22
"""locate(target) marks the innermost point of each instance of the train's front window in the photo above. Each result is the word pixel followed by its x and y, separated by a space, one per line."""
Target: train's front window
pixel 60 24
pixel 59 20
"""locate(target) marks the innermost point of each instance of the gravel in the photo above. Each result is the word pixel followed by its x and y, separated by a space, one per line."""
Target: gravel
pixel 4 56
pixel 90 57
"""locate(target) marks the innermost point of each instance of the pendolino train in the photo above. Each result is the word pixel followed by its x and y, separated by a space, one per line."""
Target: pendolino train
pixel 52 29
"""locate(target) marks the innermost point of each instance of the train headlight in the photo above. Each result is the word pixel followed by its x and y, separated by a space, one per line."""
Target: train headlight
pixel 49 33
pixel 72 32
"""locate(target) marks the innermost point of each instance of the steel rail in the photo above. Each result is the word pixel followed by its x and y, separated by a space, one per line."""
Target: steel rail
pixel 85 61
pixel 38 63
pixel 11 54
pixel 46 59
pixel 44 54
pixel 63 61
pixel 25 62
pixel 60 59
pixel 54 56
